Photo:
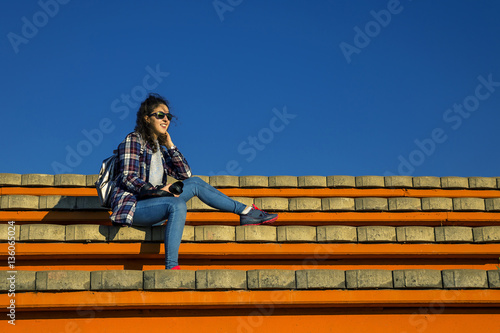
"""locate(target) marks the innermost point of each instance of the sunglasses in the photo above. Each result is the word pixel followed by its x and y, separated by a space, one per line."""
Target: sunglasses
pixel 161 115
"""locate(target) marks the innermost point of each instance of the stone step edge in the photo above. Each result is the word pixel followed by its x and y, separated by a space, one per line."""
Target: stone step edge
pixel 79 180
pixel 85 233
pixel 268 279
pixel 287 192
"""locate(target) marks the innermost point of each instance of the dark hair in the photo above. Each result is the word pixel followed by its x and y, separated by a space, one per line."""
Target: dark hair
pixel 142 126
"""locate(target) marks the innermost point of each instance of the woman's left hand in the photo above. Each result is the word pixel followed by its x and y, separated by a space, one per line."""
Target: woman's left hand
pixel 167 140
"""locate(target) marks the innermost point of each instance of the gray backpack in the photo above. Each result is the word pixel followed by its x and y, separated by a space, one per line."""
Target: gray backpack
pixel 106 182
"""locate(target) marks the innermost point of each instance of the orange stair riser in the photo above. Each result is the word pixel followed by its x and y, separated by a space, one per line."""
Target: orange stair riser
pixel 431 319
pixel 50 301
pixel 193 264
pixel 253 250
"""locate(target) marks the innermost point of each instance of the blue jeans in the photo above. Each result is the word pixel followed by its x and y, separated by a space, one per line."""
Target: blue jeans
pixel 153 212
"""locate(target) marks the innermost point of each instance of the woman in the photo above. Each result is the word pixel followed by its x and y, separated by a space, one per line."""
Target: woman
pixel 142 197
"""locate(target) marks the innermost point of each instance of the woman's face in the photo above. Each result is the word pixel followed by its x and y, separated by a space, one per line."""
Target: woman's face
pixel 159 126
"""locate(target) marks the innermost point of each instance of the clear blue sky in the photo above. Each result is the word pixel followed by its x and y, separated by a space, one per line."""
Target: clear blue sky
pixel 260 87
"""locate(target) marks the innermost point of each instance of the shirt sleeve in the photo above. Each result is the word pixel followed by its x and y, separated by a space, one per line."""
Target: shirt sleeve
pixel 177 166
pixel 129 167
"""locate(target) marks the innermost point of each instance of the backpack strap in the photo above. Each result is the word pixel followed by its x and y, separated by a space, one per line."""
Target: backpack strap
pixel 143 144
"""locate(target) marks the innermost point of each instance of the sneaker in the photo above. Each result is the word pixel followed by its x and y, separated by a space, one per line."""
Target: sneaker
pixel 256 216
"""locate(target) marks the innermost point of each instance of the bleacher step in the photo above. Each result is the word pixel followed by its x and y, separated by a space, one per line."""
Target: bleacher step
pixel 260 279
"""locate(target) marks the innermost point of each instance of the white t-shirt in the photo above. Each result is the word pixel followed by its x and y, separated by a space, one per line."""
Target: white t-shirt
pixel 156 170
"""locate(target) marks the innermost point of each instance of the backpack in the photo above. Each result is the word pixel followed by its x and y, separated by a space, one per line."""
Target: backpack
pixel 106 181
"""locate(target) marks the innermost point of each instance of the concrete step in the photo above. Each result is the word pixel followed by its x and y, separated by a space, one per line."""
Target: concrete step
pixel 85 233
pixel 68 180
pixel 195 256
pixel 277 204
pixel 76 180
pixel 261 279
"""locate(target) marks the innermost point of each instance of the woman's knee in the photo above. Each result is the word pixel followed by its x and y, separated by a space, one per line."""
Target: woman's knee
pixel 178 205
pixel 193 180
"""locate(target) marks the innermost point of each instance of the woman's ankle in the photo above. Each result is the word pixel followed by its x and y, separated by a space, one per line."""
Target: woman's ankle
pixel 246 210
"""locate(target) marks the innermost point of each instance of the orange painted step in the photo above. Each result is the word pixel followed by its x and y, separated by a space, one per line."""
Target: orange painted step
pixel 282 192
pixel 430 318
pixel 49 301
pixel 285 218
pixel 25 251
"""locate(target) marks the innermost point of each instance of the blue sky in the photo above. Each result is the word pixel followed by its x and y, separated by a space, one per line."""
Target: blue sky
pixel 368 87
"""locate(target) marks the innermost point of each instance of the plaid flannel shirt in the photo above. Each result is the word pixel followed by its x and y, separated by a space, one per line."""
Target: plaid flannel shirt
pixel 133 174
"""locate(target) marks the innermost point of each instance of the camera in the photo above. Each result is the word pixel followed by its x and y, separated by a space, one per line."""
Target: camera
pixel 176 188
